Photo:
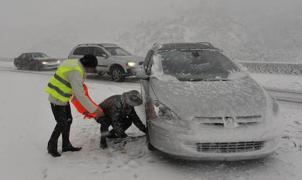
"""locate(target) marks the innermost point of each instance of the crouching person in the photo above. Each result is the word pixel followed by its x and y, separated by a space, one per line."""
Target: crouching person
pixel 120 114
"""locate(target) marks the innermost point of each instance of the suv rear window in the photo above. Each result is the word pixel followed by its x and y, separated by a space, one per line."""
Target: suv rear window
pixel 83 51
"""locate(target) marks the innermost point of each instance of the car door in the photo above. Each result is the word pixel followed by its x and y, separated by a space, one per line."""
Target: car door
pixel 27 60
pixel 103 59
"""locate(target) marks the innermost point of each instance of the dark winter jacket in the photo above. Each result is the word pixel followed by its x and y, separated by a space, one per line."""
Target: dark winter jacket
pixel 119 114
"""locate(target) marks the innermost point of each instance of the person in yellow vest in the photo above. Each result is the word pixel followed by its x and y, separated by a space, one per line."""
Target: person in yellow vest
pixel 67 82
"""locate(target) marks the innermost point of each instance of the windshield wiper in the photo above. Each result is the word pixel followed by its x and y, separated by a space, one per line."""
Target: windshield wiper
pixel 202 79
pixel 191 80
pixel 218 79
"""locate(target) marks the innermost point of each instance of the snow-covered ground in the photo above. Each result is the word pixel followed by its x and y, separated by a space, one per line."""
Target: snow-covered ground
pixel 280 81
pixel 26 123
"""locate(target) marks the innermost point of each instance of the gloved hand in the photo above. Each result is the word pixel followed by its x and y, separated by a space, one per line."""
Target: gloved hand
pixel 99 113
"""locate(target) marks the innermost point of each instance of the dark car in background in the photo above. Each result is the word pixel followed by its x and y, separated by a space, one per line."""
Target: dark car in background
pixel 36 61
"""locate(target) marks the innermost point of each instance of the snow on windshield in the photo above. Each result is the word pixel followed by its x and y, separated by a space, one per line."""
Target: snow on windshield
pixel 192 65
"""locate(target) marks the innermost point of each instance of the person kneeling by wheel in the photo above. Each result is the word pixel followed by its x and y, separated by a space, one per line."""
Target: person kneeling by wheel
pixel 120 114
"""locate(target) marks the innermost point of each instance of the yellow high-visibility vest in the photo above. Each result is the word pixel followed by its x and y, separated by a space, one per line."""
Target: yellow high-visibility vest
pixel 59 86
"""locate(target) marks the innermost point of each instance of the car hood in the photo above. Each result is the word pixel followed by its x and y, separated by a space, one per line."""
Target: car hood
pixel 47 59
pixel 136 59
pixel 240 97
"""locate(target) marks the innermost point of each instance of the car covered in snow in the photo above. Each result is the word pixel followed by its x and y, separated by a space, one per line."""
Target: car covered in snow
pixel 112 60
pixel 36 61
pixel 201 105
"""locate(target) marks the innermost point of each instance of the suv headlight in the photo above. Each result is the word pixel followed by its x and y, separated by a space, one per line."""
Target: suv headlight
pixel 131 64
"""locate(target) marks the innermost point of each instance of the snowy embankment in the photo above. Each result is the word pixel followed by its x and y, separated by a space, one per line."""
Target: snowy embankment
pixel 26 123
pixel 273 67
pixel 279 81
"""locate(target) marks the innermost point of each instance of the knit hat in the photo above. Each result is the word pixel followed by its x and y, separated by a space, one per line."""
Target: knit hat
pixel 89 61
pixel 133 98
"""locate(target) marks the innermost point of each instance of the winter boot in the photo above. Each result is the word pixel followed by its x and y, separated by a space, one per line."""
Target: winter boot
pixel 53 142
pixel 70 148
pixel 52 149
pixel 66 145
pixel 112 135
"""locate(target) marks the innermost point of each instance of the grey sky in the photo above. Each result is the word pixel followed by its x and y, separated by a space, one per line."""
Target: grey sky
pixel 25 24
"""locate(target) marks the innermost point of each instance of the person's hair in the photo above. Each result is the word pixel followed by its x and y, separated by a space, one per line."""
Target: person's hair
pixel 89 61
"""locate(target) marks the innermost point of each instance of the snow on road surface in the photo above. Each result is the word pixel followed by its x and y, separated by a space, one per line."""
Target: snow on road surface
pixel 26 123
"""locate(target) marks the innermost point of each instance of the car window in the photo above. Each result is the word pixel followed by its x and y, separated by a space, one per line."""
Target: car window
pixel 39 55
pixel 117 51
pixel 81 51
pixel 147 63
pixel 28 56
pixel 193 65
pixel 99 52
pixel 22 56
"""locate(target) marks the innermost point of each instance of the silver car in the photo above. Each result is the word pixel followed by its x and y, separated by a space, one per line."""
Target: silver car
pixel 201 105
pixel 112 59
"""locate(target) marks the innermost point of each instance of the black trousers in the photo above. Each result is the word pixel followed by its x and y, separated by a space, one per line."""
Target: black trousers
pixel 118 131
pixel 63 117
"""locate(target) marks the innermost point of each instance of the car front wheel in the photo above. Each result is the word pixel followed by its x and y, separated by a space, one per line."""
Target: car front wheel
pixel 117 74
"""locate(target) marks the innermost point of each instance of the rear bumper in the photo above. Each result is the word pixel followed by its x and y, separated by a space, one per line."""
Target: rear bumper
pixel 182 145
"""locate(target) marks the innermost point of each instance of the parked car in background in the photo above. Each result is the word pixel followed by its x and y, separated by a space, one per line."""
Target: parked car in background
pixel 201 105
pixel 36 61
pixel 112 59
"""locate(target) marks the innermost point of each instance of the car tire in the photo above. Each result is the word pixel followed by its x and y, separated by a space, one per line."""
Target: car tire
pixel 117 74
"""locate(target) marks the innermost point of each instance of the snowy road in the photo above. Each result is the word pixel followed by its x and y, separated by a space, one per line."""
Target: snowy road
pixel 26 123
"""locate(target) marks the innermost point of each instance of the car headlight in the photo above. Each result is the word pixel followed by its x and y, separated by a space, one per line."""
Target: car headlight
pixel 44 63
pixel 163 112
pixel 58 61
pixel 166 114
pixel 131 64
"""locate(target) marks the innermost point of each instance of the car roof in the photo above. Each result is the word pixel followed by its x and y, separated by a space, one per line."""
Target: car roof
pixel 34 53
pixel 99 44
pixel 172 46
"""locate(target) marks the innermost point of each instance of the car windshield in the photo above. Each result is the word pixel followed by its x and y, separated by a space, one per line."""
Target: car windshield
pixel 117 51
pixel 193 65
pixel 39 55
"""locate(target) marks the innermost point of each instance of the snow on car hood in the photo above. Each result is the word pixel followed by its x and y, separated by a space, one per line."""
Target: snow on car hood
pixel 240 97
pixel 136 59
